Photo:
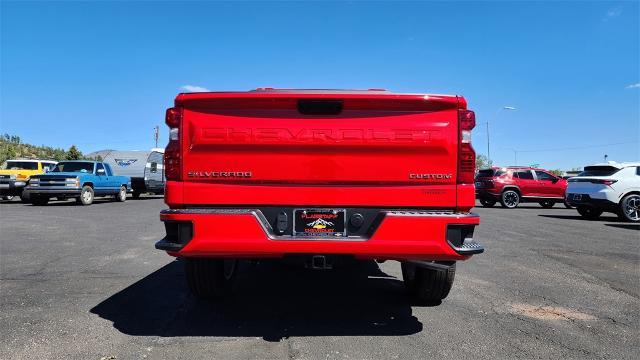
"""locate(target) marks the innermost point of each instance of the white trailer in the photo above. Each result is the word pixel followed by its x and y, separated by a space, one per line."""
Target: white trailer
pixel 144 167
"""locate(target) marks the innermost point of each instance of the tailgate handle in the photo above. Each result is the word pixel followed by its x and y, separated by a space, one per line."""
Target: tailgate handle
pixel 319 107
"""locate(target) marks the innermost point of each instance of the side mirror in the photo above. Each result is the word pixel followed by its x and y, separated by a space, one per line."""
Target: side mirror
pixel 100 172
pixel 555 180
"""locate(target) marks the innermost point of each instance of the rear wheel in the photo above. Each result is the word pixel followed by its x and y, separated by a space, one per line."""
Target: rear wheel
pixel 547 204
pixel 487 203
pixel 121 196
pixel 39 200
pixel 427 284
pixel 589 212
pixel 630 208
pixel 210 278
pixel 86 196
pixel 510 199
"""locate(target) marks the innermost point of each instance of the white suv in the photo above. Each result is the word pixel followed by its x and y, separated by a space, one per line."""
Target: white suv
pixel 612 187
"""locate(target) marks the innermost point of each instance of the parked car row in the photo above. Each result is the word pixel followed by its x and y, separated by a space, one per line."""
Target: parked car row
pixel 609 187
pixel 15 174
pixel 37 181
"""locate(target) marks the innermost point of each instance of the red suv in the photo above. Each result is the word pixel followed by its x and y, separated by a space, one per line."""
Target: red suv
pixel 512 185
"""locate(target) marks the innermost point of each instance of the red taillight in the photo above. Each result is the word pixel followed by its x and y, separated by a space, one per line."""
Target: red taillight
pixel 467 119
pixel 173 117
pixel 466 154
pixel 172 153
pixel 604 182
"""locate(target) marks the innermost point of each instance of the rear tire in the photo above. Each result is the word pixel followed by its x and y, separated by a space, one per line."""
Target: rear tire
pixel 589 212
pixel 210 278
pixel 39 200
pixel 487 203
pixel 86 196
pixel 121 196
pixel 547 204
pixel 427 285
pixel 630 208
pixel 510 199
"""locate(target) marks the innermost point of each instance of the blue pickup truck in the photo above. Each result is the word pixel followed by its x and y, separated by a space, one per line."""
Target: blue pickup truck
pixel 81 180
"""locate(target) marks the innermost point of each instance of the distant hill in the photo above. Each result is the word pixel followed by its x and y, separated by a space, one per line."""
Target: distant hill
pixel 11 147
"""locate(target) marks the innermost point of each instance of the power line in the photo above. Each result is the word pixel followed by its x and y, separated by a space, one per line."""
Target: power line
pixel 576 147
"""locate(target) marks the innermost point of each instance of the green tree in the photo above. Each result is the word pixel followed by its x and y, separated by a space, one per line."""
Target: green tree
pixel 73 153
pixel 11 146
pixel 557 172
pixel 482 162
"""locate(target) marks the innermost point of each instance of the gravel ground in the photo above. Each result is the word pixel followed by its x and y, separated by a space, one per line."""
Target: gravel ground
pixel 86 283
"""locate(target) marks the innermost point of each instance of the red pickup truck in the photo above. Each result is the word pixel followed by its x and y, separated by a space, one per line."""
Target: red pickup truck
pixel 320 175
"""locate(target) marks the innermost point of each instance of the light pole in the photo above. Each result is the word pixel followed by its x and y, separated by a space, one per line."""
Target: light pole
pixel 156 134
pixel 515 156
pixel 487 123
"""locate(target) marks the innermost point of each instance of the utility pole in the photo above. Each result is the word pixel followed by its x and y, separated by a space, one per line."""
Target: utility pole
pixel 488 152
pixel 156 134
pixel 487 123
pixel 515 156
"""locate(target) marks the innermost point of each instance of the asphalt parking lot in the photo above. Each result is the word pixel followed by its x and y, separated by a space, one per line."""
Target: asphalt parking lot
pixel 86 283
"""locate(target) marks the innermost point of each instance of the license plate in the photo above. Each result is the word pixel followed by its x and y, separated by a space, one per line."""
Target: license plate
pixel 319 222
pixel 4 186
pixel 577 197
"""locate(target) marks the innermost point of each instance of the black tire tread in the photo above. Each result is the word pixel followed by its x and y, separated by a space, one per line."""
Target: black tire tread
pixel 502 197
pixel 205 277
pixel 547 204
pixel 429 285
pixel 488 203
pixel 621 214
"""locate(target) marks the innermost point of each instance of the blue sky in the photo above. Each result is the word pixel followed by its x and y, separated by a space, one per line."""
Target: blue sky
pixel 101 74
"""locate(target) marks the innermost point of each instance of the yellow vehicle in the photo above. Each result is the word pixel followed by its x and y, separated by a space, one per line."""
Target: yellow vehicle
pixel 14 175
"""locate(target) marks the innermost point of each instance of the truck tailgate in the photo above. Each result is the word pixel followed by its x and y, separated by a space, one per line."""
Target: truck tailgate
pixel 400 150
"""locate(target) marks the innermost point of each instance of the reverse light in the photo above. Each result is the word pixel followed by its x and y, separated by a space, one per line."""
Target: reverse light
pixel 466 137
pixel 174 134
